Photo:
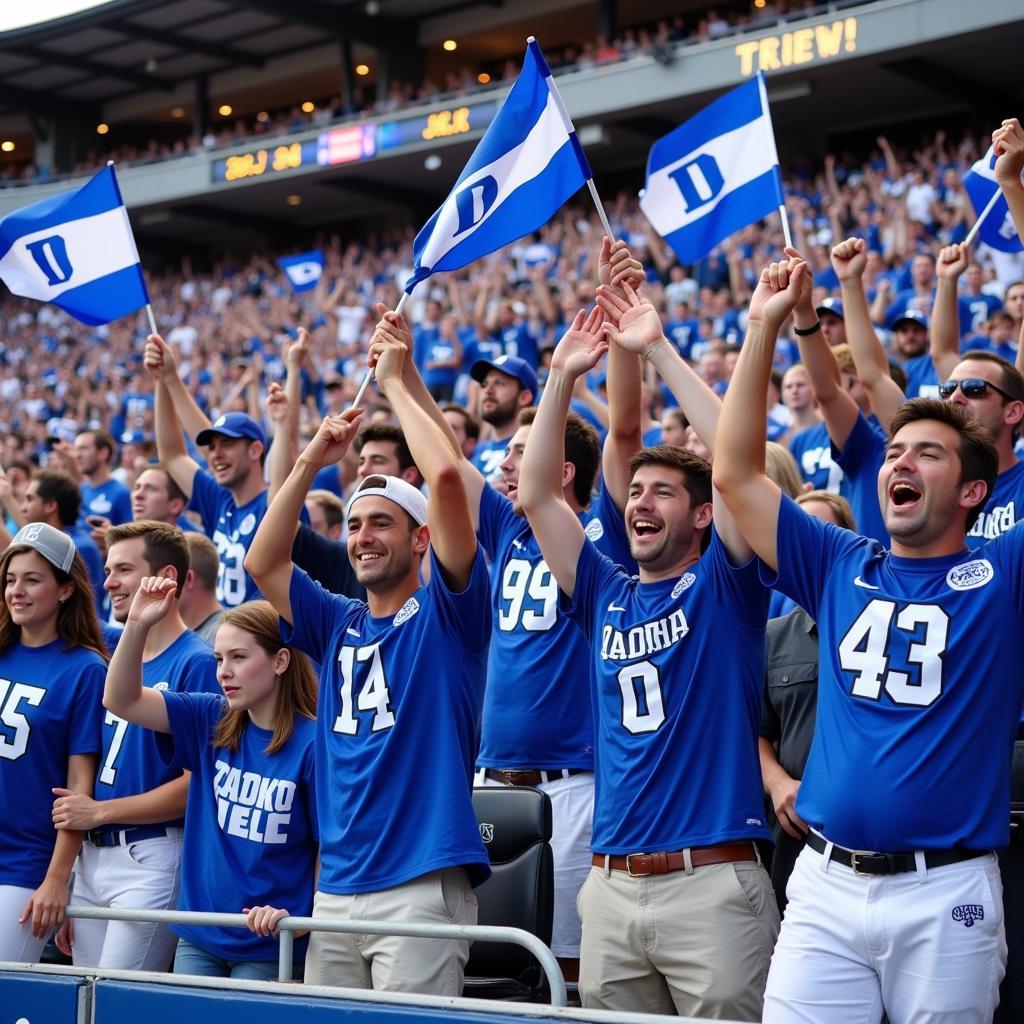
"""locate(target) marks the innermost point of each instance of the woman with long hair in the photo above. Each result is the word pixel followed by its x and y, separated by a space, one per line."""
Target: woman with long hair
pixel 250 823
pixel 52 665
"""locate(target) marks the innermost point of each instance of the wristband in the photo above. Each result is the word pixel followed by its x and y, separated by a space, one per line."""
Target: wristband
pixel 650 352
pixel 803 332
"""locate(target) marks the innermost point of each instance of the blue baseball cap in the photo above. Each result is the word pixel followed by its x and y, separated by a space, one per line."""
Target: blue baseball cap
pixel 232 424
pixel 833 306
pixel 913 315
pixel 513 366
pixel 135 437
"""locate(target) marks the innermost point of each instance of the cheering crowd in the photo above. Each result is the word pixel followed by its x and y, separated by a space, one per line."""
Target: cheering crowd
pixel 543 552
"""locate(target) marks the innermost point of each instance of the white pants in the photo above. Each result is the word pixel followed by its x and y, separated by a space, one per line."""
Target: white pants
pixel 395 963
pixel 927 947
pixel 141 876
pixel 16 941
pixel 572 818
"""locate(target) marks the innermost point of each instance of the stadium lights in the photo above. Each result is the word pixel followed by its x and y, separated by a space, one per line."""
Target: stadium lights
pixel 483 78
pixel 262 117
pixel 102 128
pixel 450 45
pixel 294 200
pixel 308 107
pixel 362 69
pixel 224 110
pixel 7 146
pixel 178 112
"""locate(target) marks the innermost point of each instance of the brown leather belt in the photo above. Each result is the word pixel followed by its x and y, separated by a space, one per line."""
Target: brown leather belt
pixel 532 777
pixel 643 864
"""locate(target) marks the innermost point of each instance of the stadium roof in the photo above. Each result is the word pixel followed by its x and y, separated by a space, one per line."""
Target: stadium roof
pixel 67 66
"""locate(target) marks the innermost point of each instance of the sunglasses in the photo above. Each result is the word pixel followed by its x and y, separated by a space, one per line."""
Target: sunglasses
pixel 973 387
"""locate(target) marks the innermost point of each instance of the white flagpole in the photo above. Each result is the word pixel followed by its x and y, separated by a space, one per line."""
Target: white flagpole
pixel 369 373
pixel 152 319
pixel 783 214
pixel 570 128
pixel 981 217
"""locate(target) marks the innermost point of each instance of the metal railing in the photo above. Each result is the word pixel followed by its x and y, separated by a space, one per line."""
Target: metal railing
pixel 288 926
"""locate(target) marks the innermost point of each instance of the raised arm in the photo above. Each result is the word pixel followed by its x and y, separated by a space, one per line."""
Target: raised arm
pixel 945 334
pixel 1008 140
pixel 738 470
pixel 161 364
pixel 170 442
pixel 284 406
pixel 541 474
pixel 849 259
pixel 452 534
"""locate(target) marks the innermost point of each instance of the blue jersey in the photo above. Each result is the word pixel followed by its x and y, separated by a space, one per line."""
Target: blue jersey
pixel 922 380
pixel 682 334
pixel 49 710
pixel 111 632
pixel 679 669
pixel 397 722
pixel 860 461
pixel 920 687
pixel 1004 507
pixel 488 456
pixel 812 450
pixel 537 715
pixel 231 529
pixel 974 310
pixel 250 823
pixel 605 525
pixel 93 562
pixel 130 765
pixel 517 340
pixel 111 499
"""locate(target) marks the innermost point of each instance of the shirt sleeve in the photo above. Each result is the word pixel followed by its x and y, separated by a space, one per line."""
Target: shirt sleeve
pixel 613 541
pixel 199 675
pixel 193 718
pixel 594 572
pixel 204 500
pixel 315 615
pixel 496 518
pixel 1007 553
pixel 466 614
pixel 738 588
pixel 864 450
pixel 86 733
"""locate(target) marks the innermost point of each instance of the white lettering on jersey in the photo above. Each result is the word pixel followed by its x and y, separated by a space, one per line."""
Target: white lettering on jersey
pixel 643 641
pixel 994 522
pixel 251 806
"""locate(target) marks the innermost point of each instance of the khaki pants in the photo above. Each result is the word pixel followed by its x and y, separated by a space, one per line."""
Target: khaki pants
pixel 695 944
pixel 395 963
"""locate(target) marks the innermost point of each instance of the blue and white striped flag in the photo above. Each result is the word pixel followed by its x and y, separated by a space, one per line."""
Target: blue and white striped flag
pixel 304 269
pixel 525 167
pixel 997 230
pixel 715 174
pixel 76 250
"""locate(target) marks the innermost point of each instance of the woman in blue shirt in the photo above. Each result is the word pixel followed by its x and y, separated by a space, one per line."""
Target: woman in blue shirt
pixel 250 823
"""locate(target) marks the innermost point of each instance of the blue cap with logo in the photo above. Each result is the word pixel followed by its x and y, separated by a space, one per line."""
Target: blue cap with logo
pixel 913 315
pixel 232 424
pixel 513 366
pixel 833 306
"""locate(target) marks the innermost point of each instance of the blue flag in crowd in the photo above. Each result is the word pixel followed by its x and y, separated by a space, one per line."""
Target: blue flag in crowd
pixel 525 167
pixel 997 229
pixel 304 269
pixel 715 174
pixel 76 250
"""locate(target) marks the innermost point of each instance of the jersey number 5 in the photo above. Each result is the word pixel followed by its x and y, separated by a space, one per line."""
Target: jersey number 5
pixel 374 696
pixel 11 696
pixel 864 651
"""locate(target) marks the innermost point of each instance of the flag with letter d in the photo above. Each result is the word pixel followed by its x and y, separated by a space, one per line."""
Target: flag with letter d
pixel 304 269
pixel 525 167
pixel 76 250
pixel 715 174
pixel 997 230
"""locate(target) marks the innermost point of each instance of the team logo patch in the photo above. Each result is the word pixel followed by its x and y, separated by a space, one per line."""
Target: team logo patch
pixel 221 420
pixel 686 581
pixel 32 532
pixel 595 529
pixel 406 612
pixel 969 913
pixel 161 686
pixel 970 575
pixel 486 831
pixel 247 525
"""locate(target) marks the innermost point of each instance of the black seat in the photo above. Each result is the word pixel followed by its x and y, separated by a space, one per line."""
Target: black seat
pixel 515 824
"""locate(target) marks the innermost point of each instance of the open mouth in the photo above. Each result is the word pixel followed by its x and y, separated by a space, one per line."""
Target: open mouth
pixel 366 557
pixel 903 493
pixel 646 527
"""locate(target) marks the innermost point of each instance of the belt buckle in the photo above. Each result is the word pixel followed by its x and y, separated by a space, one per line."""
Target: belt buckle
pixel 507 774
pixel 629 866
pixel 855 856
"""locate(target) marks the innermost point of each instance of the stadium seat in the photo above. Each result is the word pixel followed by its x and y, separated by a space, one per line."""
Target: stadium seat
pixel 515 823
pixel 1011 861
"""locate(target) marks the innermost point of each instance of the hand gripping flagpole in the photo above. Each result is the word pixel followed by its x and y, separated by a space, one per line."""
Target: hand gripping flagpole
pixel 981 217
pixel 783 214
pixel 369 373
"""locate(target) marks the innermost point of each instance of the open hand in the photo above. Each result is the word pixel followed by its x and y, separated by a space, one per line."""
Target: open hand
pixel 632 322
pixel 581 346
pixel 153 600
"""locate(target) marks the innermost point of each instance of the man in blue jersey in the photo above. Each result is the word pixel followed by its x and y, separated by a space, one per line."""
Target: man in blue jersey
pixel 102 495
pixel 678 913
pixel 507 385
pixel 133 823
pixel 401 687
pixel 230 497
pixel 894 905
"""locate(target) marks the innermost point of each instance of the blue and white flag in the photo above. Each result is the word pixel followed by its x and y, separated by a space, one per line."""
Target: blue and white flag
pixel 997 230
pixel 304 270
pixel 76 250
pixel 525 167
pixel 715 174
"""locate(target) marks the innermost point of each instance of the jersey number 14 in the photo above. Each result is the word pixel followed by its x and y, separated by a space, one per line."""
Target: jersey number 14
pixel 374 696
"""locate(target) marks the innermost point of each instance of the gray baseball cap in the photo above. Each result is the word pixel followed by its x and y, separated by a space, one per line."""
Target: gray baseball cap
pixel 53 544
pixel 394 489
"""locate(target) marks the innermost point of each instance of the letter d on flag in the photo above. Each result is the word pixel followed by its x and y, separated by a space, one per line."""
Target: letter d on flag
pixel 51 256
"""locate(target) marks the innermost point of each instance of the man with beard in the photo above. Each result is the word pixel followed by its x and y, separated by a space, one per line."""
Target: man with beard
pixel 401 685
pixel 678 913
pixel 507 385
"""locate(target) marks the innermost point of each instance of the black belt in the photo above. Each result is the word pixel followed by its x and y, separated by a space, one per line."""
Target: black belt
pixel 868 862
pixel 105 837
pixel 531 776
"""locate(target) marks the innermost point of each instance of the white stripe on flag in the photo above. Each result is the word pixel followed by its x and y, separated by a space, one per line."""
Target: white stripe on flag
pixel 96 247
pixel 511 170
pixel 742 155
